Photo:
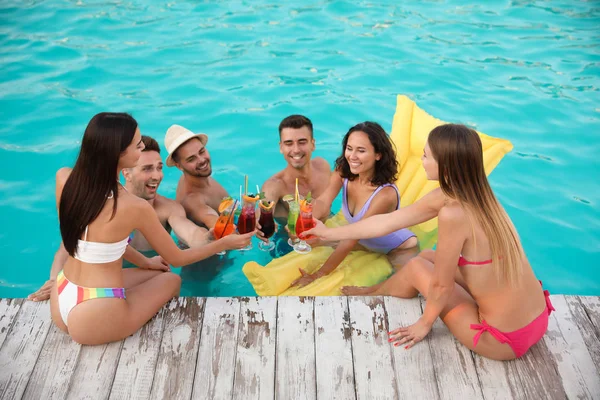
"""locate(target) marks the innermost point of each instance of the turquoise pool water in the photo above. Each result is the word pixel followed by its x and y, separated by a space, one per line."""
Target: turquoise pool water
pixel 528 71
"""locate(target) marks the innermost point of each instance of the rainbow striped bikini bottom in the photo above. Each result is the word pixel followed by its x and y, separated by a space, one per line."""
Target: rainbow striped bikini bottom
pixel 70 294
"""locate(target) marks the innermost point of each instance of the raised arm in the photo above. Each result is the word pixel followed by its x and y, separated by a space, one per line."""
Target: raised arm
pixel 141 261
pixel 187 231
pixel 452 234
pixel 273 188
pixel 161 242
pixel 422 210
pixel 322 204
pixel 197 209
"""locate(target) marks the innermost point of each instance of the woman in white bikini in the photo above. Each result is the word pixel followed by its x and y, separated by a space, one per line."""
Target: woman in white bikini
pixel 96 217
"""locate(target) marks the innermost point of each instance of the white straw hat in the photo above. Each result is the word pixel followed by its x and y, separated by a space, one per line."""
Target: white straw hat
pixel 178 135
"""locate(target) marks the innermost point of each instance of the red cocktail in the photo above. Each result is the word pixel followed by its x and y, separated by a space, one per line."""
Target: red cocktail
pixel 247 218
pixel 267 223
pixel 304 223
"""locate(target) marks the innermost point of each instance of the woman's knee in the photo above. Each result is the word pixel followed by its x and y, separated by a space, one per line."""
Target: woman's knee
pixel 418 271
pixel 409 243
pixel 417 263
pixel 427 254
pixel 174 282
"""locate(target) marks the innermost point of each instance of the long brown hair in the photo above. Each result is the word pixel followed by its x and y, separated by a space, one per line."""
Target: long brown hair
pixel 459 154
pixel 94 176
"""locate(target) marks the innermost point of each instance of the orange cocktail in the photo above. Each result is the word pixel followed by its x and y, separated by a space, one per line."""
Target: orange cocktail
pixel 224 225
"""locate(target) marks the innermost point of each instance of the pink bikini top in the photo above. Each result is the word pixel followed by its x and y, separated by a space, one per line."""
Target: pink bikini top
pixel 464 262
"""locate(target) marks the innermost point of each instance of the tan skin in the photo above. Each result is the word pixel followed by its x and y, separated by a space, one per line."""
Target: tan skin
pixel 459 296
pixel 139 182
pixel 296 146
pixel 61 256
pixel 362 158
pixel 143 181
pixel 106 320
pixel 198 193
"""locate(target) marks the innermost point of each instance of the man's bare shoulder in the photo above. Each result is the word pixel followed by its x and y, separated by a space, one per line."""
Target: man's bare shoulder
pixel 193 198
pixel 170 206
pixel 321 164
pixel 275 182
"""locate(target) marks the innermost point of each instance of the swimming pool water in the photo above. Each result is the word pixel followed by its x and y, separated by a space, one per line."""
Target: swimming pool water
pixel 527 71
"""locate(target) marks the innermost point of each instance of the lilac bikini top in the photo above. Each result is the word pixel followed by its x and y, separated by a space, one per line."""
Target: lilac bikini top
pixel 383 244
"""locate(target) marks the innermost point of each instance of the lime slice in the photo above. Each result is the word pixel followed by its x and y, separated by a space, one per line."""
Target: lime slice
pixel 266 205
pixel 288 197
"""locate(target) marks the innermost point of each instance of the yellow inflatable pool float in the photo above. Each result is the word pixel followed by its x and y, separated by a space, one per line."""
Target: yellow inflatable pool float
pixel 410 129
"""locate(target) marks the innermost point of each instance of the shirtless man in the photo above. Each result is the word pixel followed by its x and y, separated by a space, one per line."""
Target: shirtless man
pixel 198 193
pixel 296 143
pixel 143 181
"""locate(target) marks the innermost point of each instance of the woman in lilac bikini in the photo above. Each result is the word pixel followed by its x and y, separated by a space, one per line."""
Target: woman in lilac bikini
pixel 366 171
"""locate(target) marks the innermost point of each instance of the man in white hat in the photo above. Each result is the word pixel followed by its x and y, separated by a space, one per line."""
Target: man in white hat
pixel 198 193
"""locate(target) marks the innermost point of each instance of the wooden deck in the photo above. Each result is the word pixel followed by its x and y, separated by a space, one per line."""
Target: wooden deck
pixel 291 348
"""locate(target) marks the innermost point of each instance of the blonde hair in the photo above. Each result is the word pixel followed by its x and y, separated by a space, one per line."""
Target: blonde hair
pixel 458 152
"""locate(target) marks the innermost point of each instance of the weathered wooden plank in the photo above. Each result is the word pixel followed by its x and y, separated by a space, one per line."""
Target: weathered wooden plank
pixel 591 304
pixel 587 316
pixel 590 334
pixel 255 362
pixel 215 367
pixel 538 374
pixel 135 371
pixel 295 376
pixel 333 348
pixel 575 365
pixel 22 347
pixel 54 368
pixel 453 364
pixel 414 367
pixel 8 311
pixel 498 379
pixel 373 365
pixel 174 374
pixel 95 370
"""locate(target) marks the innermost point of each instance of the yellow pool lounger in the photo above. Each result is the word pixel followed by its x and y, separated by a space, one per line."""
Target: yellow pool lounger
pixel 410 129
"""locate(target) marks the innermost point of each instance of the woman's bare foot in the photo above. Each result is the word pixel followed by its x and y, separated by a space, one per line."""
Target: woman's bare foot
pixel 357 290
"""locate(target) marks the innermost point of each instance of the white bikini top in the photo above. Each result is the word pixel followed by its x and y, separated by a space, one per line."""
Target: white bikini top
pixel 99 253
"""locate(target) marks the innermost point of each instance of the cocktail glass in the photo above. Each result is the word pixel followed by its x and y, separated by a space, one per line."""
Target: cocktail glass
pixel 293 213
pixel 247 218
pixel 267 224
pixel 225 223
pixel 304 223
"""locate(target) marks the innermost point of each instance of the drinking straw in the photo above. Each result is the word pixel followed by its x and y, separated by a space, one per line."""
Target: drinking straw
pixel 257 190
pixel 297 194
pixel 245 184
pixel 229 217
pixel 240 192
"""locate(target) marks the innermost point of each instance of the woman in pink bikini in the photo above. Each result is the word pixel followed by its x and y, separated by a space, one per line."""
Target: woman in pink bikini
pixel 365 172
pixel 94 300
pixel 478 280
